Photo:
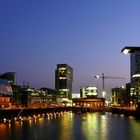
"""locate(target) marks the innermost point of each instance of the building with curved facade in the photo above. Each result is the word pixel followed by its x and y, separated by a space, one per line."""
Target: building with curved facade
pixel 6 94
pixel 10 76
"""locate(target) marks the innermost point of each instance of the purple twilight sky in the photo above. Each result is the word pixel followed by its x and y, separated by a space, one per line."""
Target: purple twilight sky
pixel 36 35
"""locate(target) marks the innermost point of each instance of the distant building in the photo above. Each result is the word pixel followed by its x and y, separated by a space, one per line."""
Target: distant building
pixel 51 93
pixel 117 96
pixel 75 95
pixel 63 80
pixel 120 96
pixel 85 102
pixel 10 76
pixel 17 90
pixel 89 92
pixel 33 98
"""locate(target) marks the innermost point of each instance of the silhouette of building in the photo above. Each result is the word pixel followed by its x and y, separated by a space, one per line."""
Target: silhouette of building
pixel 51 93
pixel 120 96
pixel 10 76
pixel 63 80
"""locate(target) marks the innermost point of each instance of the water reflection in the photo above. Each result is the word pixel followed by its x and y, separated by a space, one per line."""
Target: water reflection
pixel 95 126
pixel 66 127
pixel 70 126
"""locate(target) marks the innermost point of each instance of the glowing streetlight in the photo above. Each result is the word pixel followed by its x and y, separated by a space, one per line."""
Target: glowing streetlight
pixel 125 51
pixel 129 49
pixel 136 76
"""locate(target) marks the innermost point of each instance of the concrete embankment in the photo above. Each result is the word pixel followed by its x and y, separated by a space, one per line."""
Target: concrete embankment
pixel 24 112
pixel 11 113
pixel 126 112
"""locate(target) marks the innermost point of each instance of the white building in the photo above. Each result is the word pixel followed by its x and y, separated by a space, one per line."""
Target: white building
pixel 88 91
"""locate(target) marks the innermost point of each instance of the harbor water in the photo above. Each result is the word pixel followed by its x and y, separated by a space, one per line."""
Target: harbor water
pixel 71 126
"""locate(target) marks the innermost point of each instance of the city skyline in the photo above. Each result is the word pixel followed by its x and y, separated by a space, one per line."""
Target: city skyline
pixel 35 36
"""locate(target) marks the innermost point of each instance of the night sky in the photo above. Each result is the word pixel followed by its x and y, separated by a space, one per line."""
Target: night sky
pixel 36 35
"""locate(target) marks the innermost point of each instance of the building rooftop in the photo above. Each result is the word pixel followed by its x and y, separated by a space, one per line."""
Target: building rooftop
pixel 130 49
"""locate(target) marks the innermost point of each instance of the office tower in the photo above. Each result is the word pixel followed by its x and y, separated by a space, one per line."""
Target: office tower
pixel 134 71
pixel 134 66
pixel 63 80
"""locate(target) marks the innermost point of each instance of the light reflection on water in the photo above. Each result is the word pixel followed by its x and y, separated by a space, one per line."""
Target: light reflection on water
pixel 70 126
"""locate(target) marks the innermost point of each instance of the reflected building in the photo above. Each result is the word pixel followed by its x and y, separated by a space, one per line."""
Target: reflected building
pixel 63 80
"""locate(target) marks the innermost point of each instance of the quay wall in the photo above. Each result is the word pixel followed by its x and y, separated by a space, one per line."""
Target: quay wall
pixel 11 113
pixel 126 112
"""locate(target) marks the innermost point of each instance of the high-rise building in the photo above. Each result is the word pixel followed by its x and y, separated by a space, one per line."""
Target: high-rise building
pixel 63 80
pixel 134 71
pixel 135 66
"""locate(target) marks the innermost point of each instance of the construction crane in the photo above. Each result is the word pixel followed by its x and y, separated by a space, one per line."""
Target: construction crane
pixel 103 77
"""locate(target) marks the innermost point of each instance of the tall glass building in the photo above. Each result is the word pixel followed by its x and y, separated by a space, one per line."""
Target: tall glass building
pixel 135 66
pixel 134 71
pixel 63 80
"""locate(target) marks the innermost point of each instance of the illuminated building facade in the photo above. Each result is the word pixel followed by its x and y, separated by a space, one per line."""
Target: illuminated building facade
pixel 5 94
pixel 63 80
pixel 51 93
pixel 89 92
pixel 85 102
pixel 33 98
